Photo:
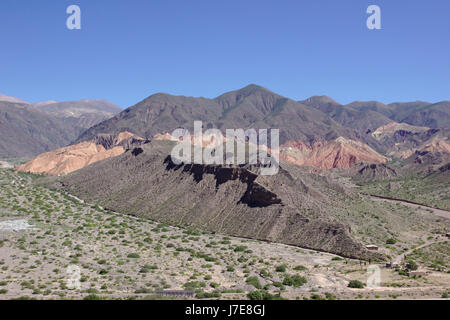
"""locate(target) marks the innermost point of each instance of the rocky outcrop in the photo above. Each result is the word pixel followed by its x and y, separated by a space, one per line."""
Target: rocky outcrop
pixel 371 172
pixel 256 195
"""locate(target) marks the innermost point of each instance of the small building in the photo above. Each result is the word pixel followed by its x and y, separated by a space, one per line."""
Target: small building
pixel 176 293
pixel 372 247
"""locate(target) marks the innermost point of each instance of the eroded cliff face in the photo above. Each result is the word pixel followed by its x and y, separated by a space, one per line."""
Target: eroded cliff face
pixel 255 195
pixel 232 200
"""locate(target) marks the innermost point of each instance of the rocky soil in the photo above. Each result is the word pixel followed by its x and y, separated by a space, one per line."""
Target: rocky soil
pixel 77 250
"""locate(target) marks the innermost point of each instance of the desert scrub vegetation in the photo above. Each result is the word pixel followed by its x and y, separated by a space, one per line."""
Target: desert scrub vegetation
pixel 431 191
pixel 125 257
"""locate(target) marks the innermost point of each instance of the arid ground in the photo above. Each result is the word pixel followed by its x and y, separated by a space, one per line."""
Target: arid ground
pixel 50 242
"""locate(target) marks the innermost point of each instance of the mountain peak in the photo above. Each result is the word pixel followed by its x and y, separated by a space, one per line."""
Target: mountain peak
pixel 318 100
pixel 11 99
pixel 253 86
pixel 248 90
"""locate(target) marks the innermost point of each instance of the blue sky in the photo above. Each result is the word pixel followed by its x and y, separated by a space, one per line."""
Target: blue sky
pixel 128 50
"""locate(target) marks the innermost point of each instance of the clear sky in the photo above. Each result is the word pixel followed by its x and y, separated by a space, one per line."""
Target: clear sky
pixel 128 50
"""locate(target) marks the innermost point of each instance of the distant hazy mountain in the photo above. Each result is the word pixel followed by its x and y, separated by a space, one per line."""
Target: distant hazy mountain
pixel 361 119
pixel 369 115
pixel 82 114
pixel 436 115
pixel 30 129
pixel 26 131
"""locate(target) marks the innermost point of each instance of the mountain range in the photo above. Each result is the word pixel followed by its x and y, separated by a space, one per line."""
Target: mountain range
pixel 124 163
pixel 318 131
pixel 315 126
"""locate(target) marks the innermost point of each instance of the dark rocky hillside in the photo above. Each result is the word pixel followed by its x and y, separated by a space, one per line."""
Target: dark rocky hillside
pixel 250 107
pixel 237 201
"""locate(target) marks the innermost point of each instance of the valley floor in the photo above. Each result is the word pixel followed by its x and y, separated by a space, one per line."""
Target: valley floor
pixel 53 246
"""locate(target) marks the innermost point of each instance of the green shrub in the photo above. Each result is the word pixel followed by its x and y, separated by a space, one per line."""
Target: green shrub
pixel 240 248
pixel 329 296
pixel 280 268
pixel 391 241
pixel 206 295
pixel 303 268
pixel 192 285
pixel 412 265
pixel 294 281
pixel 254 281
pixel 356 284
pixel 262 295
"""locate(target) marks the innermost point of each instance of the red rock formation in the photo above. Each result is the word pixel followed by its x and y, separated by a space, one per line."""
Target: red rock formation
pixel 338 153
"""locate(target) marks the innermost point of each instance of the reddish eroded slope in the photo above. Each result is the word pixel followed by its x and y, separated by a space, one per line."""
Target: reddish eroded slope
pixel 338 153
pixel 75 157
